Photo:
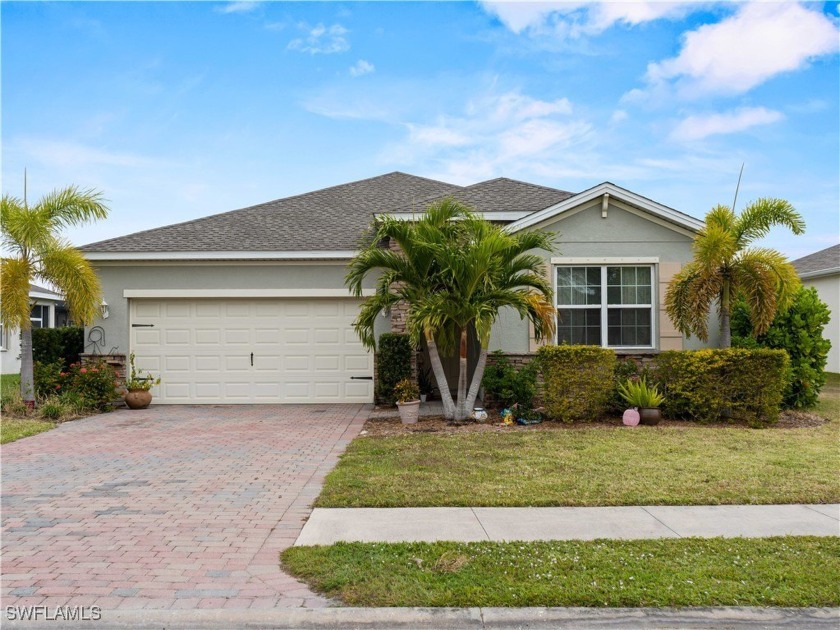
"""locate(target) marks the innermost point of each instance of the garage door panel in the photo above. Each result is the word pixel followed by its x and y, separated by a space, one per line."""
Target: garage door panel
pixel 304 351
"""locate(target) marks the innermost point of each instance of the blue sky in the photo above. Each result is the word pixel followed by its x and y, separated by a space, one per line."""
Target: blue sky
pixel 180 110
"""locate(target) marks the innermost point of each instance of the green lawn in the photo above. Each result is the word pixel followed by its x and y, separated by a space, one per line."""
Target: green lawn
pixel 595 465
pixel 12 429
pixel 785 571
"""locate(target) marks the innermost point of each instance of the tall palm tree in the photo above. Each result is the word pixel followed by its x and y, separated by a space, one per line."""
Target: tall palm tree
pixel 725 266
pixel 33 249
pixel 455 272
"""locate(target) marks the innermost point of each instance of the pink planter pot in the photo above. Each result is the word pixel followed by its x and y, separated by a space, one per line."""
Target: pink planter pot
pixel 630 418
pixel 409 411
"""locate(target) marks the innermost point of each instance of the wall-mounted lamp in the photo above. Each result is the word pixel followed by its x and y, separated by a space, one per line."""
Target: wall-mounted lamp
pixel 104 310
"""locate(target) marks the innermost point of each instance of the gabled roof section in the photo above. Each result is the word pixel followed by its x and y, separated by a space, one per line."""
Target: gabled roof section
pixel 658 210
pixel 821 263
pixel 500 195
pixel 327 220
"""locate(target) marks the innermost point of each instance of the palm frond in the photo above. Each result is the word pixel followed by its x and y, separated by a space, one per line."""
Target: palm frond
pixel 759 216
pixel 689 298
pixel 767 281
pixel 15 308
pixel 72 206
pixel 66 267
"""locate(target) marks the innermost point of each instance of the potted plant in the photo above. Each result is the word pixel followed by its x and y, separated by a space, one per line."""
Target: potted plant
pixel 408 401
pixel 424 381
pixel 646 398
pixel 137 395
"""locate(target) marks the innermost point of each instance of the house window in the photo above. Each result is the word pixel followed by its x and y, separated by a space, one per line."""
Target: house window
pixel 40 316
pixel 605 305
pixel 2 338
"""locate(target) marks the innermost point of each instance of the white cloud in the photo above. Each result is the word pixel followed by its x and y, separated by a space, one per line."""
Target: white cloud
pixel 237 7
pixel 574 19
pixel 361 67
pixel 321 39
pixel 702 126
pixel 618 116
pixel 746 49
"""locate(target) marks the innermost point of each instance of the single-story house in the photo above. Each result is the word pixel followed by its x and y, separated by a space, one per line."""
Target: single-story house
pixel 821 270
pixel 48 311
pixel 250 305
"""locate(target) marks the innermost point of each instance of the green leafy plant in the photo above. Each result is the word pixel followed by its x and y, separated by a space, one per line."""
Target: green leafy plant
pixel 63 344
pixel 135 381
pixel 639 394
pixel 505 385
pixel 393 364
pixel 723 384
pixel 48 377
pixel 95 383
pixel 406 391
pixel 52 408
pixel 577 381
pixel 798 331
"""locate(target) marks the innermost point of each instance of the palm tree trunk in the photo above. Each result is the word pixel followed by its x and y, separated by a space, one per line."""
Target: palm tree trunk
pixel 27 381
pixel 460 410
pixel 725 331
pixel 440 378
pixel 476 380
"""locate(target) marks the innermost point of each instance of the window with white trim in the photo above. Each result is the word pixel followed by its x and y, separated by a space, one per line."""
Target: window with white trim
pixel 40 316
pixel 3 336
pixel 605 305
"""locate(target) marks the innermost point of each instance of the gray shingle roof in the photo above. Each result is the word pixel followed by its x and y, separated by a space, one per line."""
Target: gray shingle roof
pixel 499 195
pixel 825 259
pixel 325 220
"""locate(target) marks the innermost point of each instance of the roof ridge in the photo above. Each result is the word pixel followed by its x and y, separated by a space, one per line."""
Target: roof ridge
pixel 258 205
pixel 519 181
pixel 816 253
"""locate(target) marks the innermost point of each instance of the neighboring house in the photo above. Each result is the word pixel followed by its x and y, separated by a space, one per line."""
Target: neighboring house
pixel 48 311
pixel 250 305
pixel 821 270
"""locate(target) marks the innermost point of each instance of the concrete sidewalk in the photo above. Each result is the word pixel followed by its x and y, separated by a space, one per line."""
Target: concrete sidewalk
pixel 329 525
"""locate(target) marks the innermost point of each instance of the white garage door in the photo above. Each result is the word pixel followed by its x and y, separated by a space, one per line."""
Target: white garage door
pixel 252 350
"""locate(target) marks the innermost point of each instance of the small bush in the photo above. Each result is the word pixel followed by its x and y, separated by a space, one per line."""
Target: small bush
pixel 798 331
pixel 94 384
pixel 577 381
pixel 47 378
pixel 51 345
pixel 393 364
pixel 712 385
pixel 406 391
pixel 13 405
pixel 506 386
pixel 624 369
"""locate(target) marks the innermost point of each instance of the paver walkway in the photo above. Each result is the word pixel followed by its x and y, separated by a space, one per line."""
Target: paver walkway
pixel 170 507
pixel 328 525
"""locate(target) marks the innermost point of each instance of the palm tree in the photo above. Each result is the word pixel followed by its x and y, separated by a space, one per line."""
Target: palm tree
pixel 455 272
pixel 33 249
pixel 725 266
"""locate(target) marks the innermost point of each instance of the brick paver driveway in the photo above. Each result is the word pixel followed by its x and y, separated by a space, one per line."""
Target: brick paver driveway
pixel 171 507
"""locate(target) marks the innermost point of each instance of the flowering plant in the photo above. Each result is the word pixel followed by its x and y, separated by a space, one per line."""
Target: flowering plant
pixel 95 384
pixel 136 381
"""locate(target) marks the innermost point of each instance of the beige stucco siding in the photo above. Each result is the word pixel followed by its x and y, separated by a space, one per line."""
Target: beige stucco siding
pixel 623 233
pixel 829 289
pixel 205 276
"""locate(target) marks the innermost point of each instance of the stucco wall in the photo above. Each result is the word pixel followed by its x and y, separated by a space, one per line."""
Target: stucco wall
pixel 622 234
pixel 829 289
pixel 217 275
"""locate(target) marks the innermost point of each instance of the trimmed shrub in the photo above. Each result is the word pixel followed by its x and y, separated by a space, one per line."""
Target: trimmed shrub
pixel 63 344
pixel 505 385
pixel 393 364
pixel 577 381
pixel 728 384
pixel 798 331
pixel 47 378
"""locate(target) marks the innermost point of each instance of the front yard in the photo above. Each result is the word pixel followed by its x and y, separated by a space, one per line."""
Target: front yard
pixel 785 571
pixel 11 428
pixel 672 464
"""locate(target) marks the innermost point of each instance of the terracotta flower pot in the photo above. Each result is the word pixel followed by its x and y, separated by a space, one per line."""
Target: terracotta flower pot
pixel 649 416
pixel 409 411
pixel 138 398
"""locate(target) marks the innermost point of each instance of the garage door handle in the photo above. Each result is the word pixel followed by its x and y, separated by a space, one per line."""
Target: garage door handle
pixel 362 378
pixel 252 359
pixel 142 325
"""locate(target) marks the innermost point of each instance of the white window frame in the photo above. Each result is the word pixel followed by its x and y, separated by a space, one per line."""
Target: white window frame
pixel 603 263
pixel 41 319
pixel 4 334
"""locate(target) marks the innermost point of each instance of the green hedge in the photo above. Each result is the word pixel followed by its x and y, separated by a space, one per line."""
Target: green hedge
pixel 711 385
pixel 577 381
pixel 505 385
pixel 64 344
pixel 798 331
pixel 393 364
